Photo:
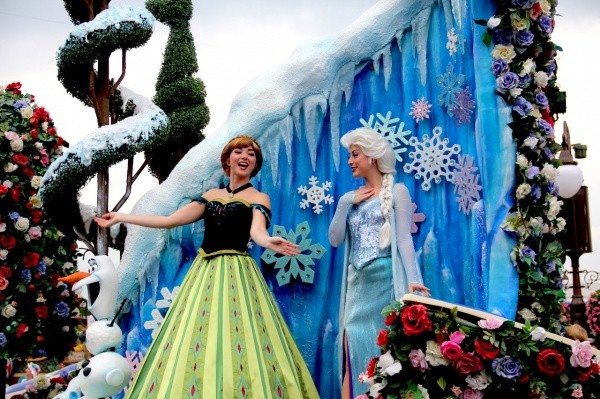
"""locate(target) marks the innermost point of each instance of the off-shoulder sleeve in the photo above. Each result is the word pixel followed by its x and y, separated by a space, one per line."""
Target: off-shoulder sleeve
pixel 265 211
pixel 202 200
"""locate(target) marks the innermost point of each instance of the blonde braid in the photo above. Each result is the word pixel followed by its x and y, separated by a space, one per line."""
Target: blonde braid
pixel 385 198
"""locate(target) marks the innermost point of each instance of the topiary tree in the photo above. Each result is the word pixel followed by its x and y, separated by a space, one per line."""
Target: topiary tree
pixel 36 309
pixel 178 92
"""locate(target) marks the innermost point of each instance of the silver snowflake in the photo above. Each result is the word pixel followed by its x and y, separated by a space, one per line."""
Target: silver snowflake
pixel 463 107
pixel 416 218
pixel 315 195
pixel 299 265
pixel 432 158
pixel 449 84
pixel 420 109
pixel 452 42
pixel 466 183
pixel 157 317
pixel 389 129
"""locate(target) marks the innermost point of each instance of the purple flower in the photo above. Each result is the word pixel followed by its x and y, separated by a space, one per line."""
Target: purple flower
pixel 502 36
pixel 551 67
pixel 523 3
pixel 14 216
pixel 532 172
pixel 544 127
pixel 26 275
pixel 541 100
pixel 536 192
pixel 524 38
pixel 524 81
pixel 499 67
pixel 42 268
pixel 522 107
pixel 3 340
pixel 507 81
pixel 550 267
pixel 527 253
pixel 507 367
pixel 545 23
pixel 62 309
pixel 552 187
pixel 20 104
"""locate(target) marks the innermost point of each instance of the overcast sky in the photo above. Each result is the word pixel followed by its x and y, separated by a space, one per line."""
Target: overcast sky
pixel 237 40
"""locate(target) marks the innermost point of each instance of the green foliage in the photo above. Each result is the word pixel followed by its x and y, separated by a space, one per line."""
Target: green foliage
pixel 37 309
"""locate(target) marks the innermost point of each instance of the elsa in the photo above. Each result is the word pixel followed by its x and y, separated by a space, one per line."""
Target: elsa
pixel 380 263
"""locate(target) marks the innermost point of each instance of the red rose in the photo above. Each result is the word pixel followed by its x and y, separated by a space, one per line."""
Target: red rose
pixel 382 338
pixel 6 271
pixel 28 172
pixel 41 114
pixel 536 11
pixel 22 329
pixel 468 363
pixel 585 375
pixel 371 367
pixel 36 216
pixel 20 159
pixel 8 242
pixel 391 318
pixel 550 362
pixel 31 259
pixel 40 338
pixel 486 349
pixel 14 87
pixel 31 288
pixel 15 193
pixel 451 350
pixel 41 312
pixel 3 283
pixel 3 190
pixel 51 131
pixel 415 320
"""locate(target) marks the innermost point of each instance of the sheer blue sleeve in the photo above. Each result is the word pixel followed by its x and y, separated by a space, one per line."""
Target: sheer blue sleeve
pixel 337 228
pixel 403 220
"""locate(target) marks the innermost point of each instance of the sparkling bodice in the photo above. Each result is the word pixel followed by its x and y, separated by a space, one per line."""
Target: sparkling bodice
pixel 364 222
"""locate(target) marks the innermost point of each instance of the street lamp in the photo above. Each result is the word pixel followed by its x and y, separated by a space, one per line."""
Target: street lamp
pixel 575 210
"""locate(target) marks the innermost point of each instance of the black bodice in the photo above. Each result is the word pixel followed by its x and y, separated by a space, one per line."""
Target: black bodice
pixel 227 225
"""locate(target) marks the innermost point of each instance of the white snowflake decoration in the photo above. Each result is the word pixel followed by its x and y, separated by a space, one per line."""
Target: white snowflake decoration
pixel 452 42
pixel 432 159
pixel 157 317
pixel 416 218
pixel 420 109
pixel 295 266
pixel 466 183
pixel 391 131
pixel 315 195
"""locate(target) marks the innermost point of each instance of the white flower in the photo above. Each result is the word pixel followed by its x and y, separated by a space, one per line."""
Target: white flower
pixel 522 161
pixel 549 172
pixel 523 190
pixel 554 206
pixel 527 314
pixel 528 67
pixel 22 224
pixel 363 378
pixel 39 145
pixel 546 7
pixel 7 183
pixel 433 354
pixel 541 79
pixel 9 311
pixel 27 112
pixel 375 388
pixel 424 392
pixel 36 182
pixel 530 142
pixel 10 167
pixel 493 22
pixel 479 381
pixel 519 23
pixel 515 92
pixel 2 227
pixel 44 127
pixel 16 145
pixel 506 53
pixel 538 334
pixel 561 223
pixel 3 253
pixel 48 261
pixel 36 201
pixel 388 365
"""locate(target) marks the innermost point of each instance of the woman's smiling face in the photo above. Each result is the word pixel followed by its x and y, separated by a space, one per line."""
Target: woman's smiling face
pixel 358 161
pixel 242 161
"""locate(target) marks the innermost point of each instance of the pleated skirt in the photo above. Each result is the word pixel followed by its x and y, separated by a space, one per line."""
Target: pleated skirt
pixel 223 337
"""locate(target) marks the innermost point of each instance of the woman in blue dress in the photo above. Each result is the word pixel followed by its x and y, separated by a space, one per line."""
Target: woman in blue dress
pixel 380 262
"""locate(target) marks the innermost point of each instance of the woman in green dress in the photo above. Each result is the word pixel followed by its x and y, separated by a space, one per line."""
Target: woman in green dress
pixel 223 336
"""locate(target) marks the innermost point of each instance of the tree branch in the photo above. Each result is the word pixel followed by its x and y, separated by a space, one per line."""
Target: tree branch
pixel 123 69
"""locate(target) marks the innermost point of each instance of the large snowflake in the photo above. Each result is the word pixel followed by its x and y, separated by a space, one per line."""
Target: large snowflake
pixel 432 158
pixel 299 265
pixel 315 195
pixel 389 128
pixel 466 183
pixel 157 317
pixel 463 107
pixel 449 84
pixel 420 109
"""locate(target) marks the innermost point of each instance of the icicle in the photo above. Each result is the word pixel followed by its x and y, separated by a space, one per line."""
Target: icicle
pixel 398 37
pixel 448 14
pixel 420 28
pixel 308 117
pixel 271 144
pixel 287 133
pixel 459 8
pixel 387 63
pixel 342 85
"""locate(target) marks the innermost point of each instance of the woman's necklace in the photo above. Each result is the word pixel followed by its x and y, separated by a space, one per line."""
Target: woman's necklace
pixel 231 192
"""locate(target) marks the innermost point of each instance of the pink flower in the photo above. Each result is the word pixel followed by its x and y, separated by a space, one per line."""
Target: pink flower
pixel 472 394
pixel 417 359
pixel 582 354
pixel 35 232
pixel 457 337
pixel 363 396
pixel 491 323
pixel 11 135
pixel 451 350
pixel 456 390
pixel 3 283
pixel 45 159
pixel 577 393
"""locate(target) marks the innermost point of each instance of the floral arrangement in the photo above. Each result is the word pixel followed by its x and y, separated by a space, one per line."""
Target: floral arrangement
pixel 592 309
pixel 43 387
pixel 432 353
pixel 525 68
pixel 35 308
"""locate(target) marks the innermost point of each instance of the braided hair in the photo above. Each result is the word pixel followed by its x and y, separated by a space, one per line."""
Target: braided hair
pixel 374 146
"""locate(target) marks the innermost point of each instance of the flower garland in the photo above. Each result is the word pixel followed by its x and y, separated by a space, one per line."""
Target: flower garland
pixel 592 309
pixel 35 308
pixel 525 68
pixel 431 353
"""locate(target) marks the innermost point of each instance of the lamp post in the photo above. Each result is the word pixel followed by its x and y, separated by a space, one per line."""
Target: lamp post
pixel 575 210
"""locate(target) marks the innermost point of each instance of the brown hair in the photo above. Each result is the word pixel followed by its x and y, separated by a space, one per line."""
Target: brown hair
pixel 242 141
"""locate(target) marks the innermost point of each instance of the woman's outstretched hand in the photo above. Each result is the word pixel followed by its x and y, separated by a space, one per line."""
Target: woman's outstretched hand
pixel 283 246
pixel 419 289
pixel 107 220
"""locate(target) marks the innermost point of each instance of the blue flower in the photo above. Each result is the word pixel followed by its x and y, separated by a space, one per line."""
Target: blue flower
pixel 526 254
pixel 502 36
pixel 499 67
pixel 524 38
pixel 524 3
pixel 14 216
pixel 20 104
pixel 3 340
pixel 548 153
pixel 532 172
pixel 523 107
pixel 544 127
pixel 545 23
pixel 550 267
pixel 507 367
pixel 507 81
pixel 536 192
pixel 26 275
pixel 551 67
pixel 552 188
pixel 42 268
pixel 62 309
pixel 541 100
pixel 524 81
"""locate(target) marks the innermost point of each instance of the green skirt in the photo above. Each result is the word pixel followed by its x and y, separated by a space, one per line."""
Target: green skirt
pixel 223 337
